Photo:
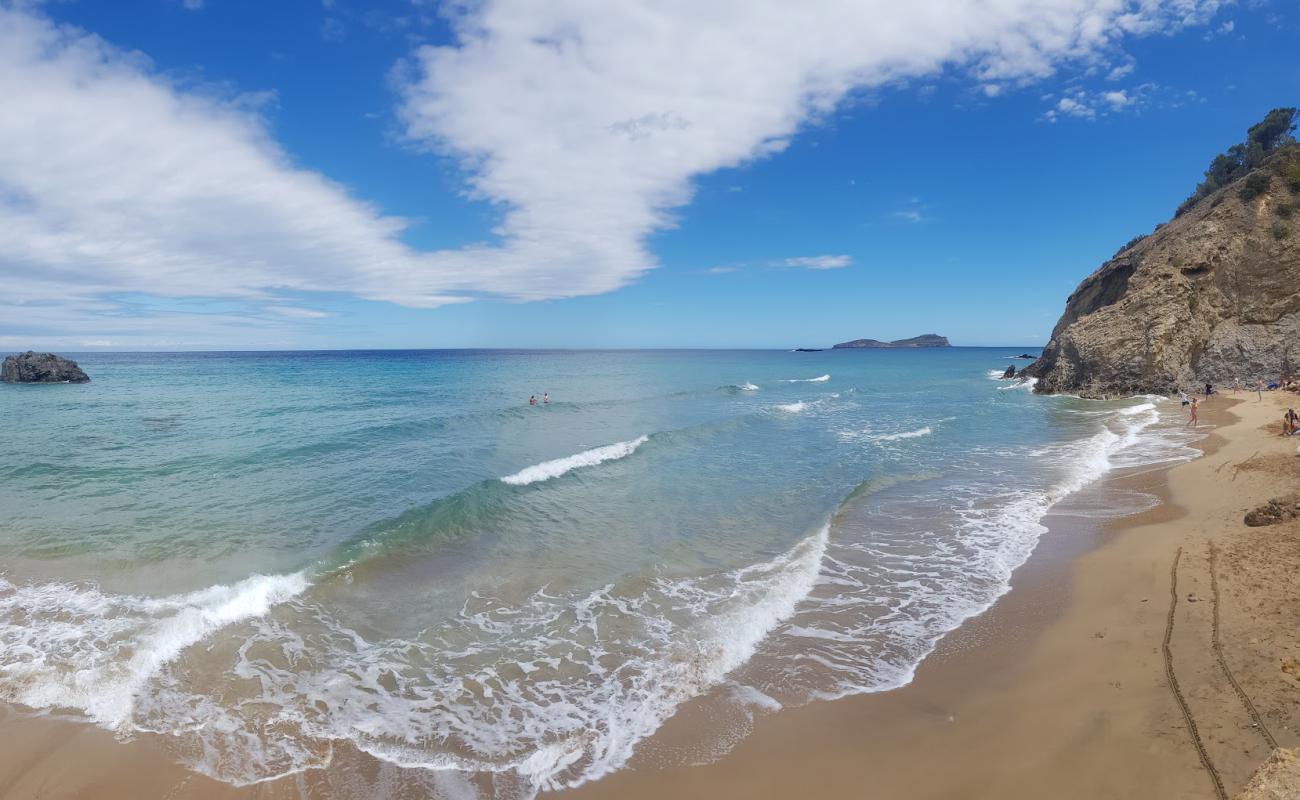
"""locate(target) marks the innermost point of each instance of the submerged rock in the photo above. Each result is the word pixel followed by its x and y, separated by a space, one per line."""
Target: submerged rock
pixel 32 367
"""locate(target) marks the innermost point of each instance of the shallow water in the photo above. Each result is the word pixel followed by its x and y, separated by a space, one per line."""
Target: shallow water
pixel 267 555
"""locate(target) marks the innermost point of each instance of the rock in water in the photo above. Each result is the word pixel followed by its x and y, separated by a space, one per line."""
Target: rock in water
pixel 1010 371
pixel 1214 295
pixel 32 367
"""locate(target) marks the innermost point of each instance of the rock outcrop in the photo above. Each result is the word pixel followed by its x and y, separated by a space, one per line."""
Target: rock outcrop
pixel 1212 296
pixel 32 367
pixel 924 340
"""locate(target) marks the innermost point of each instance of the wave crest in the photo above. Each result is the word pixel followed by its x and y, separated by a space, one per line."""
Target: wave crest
pixel 587 458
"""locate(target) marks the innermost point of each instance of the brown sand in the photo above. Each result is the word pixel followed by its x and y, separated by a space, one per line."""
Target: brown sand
pixel 1059 691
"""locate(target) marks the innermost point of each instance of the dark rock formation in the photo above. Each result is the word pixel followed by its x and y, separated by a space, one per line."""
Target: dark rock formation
pixel 1212 296
pixel 32 367
pixel 1009 372
pixel 1026 356
pixel 808 349
pixel 924 340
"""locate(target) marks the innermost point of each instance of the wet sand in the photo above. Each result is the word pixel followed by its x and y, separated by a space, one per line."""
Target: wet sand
pixel 1060 690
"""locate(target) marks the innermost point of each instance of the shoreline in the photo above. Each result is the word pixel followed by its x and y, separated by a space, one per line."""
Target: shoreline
pixel 1057 690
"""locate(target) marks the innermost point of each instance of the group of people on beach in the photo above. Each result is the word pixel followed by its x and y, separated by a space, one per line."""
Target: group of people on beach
pixel 546 399
pixel 1290 420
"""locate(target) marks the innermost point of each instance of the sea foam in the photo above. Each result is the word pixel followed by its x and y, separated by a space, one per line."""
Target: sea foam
pixel 72 647
pixel 587 458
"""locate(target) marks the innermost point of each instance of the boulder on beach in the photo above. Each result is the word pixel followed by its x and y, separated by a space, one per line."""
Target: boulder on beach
pixel 33 367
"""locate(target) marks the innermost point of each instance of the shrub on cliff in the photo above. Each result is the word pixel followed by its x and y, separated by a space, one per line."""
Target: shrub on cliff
pixel 1262 140
pixel 1292 177
pixel 1255 184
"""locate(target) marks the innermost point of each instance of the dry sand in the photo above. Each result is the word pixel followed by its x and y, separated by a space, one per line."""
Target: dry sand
pixel 1059 691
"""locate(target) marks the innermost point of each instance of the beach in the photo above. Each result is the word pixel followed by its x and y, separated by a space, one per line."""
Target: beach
pixel 1058 689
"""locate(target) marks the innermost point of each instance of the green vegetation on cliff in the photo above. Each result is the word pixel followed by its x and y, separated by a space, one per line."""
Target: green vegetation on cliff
pixel 1263 139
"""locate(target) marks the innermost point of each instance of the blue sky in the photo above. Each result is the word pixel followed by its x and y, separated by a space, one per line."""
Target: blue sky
pixel 333 175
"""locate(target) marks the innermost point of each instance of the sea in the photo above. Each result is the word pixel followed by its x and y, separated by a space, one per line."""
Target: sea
pixel 278 564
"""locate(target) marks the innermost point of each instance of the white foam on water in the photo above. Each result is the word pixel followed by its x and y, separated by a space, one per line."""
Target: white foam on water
pixel 747 387
pixel 889 592
pixel 792 408
pixel 543 694
pixel 1027 384
pixel 587 458
pixel 818 379
pixel 893 437
pixel 73 647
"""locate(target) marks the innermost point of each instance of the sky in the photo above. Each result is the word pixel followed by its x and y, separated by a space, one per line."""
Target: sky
pixel 336 174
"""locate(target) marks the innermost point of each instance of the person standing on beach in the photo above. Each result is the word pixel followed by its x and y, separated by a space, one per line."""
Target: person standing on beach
pixel 1182 396
pixel 1191 422
pixel 1259 390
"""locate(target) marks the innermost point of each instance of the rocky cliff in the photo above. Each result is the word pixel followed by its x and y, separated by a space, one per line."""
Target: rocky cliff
pixel 1214 295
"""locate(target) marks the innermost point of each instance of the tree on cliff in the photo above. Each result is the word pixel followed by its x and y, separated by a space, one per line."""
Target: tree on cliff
pixel 1262 140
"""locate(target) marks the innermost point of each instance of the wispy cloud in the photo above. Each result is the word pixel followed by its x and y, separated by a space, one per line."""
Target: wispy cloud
pixel 299 313
pixel 912 212
pixel 818 262
pixel 583 127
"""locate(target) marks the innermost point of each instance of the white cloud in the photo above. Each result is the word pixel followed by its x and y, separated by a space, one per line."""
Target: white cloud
pixel 584 124
pixel 907 215
pixel 1121 71
pixel 1117 99
pixel 1092 105
pixel 299 313
pixel 818 262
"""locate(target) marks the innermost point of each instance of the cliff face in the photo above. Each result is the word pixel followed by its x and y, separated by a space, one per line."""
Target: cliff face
pixel 1213 296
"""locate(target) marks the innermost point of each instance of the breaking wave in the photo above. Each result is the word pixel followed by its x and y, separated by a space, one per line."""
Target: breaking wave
pixel 587 458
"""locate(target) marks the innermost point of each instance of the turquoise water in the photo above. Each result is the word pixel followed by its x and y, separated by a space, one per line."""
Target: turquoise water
pixel 278 561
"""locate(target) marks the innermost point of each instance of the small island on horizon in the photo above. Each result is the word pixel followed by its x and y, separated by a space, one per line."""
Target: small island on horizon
pixel 924 340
